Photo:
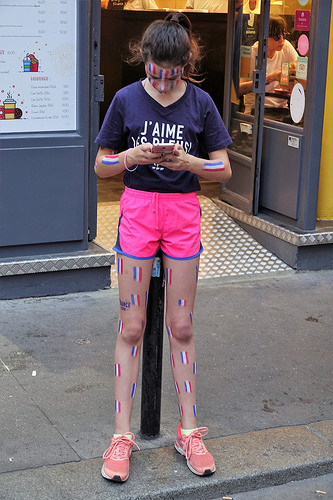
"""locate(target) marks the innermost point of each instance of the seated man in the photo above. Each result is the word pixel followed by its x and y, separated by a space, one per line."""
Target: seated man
pixel 278 50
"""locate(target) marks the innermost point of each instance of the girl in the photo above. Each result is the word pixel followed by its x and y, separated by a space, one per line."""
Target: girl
pixel 160 209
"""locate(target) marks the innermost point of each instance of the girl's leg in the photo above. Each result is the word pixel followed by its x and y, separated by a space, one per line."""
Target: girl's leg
pixel 181 282
pixel 133 281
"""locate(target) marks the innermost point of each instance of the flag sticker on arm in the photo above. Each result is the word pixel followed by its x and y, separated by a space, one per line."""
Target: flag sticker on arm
pixel 213 166
pixel 110 160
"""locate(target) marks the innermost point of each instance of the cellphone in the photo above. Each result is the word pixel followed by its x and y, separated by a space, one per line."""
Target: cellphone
pixel 165 148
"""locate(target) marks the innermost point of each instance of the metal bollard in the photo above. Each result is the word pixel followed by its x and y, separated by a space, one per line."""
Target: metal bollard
pixel 152 352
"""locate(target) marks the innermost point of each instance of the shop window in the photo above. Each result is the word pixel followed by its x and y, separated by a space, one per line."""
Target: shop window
pixel 287 58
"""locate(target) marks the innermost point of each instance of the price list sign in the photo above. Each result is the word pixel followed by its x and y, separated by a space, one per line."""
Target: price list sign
pixel 38 65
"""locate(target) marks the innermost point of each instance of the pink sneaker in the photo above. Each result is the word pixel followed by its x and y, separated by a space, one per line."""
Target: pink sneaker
pixel 116 458
pixel 199 460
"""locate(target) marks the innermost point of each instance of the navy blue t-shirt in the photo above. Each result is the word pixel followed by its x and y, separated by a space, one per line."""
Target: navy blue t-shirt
pixel 134 118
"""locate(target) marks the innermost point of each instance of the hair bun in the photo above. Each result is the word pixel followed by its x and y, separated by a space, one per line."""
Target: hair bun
pixel 180 18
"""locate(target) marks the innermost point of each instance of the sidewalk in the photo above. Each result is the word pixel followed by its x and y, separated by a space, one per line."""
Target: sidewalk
pixel 264 348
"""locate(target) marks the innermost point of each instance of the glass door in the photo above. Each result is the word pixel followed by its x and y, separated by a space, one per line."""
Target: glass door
pixel 247 34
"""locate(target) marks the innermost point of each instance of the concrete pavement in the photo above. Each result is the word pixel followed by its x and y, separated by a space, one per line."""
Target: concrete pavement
pixel 264 349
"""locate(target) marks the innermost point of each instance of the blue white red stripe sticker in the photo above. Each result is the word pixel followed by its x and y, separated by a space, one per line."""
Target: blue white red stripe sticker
pixel 120 266
pixel 195 410
pixel 214 166
pixel 172 360
pixel 117 370
pixel 184 357
pixel 194 368
pixel 110 160
pixel 188 386
pixel 135 298
pixel 133 391
pixel 182 302
pixel 170 333
pixel 134 351
pixel 117 406
pixel 177 387
pixel 137 274
pixel 168 276
pixel 180 408
pixel 120 327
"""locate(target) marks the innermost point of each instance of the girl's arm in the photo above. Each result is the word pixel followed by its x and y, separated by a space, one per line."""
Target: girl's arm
pixel 109 163
pixel 217 168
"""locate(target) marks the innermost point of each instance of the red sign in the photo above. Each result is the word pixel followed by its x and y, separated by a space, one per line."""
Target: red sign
pixel 302 20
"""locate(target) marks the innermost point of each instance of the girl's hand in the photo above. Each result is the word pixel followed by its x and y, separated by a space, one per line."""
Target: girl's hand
pixel 143 155
pixel 178 160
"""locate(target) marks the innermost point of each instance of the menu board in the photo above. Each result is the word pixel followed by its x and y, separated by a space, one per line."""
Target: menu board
pixel 38 65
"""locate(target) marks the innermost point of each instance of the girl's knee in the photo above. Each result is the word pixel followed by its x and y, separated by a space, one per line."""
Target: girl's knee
pixel 182 329
pixel 132 333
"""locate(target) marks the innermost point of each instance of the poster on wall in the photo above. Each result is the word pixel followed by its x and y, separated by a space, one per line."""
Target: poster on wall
pixel 37 66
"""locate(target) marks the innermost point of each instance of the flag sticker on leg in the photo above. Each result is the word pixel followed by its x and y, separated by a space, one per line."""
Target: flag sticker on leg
pixel 117 406
pixel 195 410
pixel 117 370
pixel 194 368
pixel 180 408
pixel 134 351
pixel 168 276
pixel 188 387
pixel 184 357
pixel 120 266
pixel 182 302
pixel 172 360
pixel 169 330
pixel 137 274
pixel 191 317
pixel 177 387
pixel 146 299
pixel 120 327
pixel 135 298
pixel 133 391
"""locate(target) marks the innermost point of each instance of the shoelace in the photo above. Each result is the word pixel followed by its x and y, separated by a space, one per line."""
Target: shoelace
pixel 118 450
pixel 193 443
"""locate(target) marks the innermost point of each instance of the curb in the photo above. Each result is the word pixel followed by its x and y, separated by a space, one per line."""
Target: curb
pixel 244 462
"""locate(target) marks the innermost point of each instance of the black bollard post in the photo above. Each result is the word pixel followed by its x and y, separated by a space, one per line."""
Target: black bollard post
pixel 152 352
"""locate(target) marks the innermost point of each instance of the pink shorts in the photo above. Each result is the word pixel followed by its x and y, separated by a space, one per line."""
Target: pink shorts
pixel 149 221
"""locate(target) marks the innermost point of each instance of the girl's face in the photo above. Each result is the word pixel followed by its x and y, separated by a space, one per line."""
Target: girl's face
pixel 163 79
